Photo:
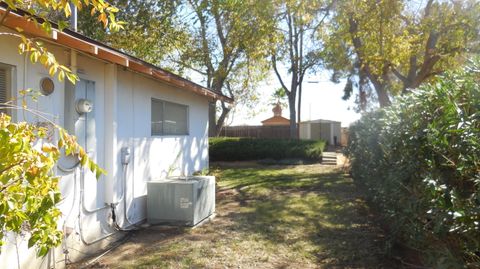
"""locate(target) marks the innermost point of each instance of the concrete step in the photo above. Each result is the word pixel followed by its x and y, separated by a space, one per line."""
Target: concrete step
pixel 329 158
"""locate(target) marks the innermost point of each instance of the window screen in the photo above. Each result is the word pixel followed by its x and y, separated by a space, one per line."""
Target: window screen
pixel 3 88
pixel 169 118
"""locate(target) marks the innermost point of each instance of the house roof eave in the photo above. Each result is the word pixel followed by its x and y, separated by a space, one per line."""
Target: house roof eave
pixel 81 43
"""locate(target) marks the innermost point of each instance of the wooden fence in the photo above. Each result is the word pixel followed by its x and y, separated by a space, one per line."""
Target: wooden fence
pixel 257 131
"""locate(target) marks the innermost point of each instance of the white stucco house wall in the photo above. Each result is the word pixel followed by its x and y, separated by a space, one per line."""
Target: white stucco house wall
pixel 160 119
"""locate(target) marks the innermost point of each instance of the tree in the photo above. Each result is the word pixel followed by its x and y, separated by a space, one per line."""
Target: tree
pixel 152 29
pixel 223 42
pixel 396 45
pixel 29 189
pixel 227 44
pixel 297 27
pixel 278 97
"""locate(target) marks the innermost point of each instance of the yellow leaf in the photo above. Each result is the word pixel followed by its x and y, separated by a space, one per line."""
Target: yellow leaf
pixel 51 71
pixel 67 10
pixel 103 18
pixel 61 76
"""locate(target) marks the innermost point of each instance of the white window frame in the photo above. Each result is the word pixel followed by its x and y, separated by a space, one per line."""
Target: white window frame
pixel 187 108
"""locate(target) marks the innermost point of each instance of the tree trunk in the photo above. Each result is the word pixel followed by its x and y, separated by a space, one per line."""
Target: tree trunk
pixel 293 114
pixel 382 94
pixel 380 87
pixel 221 120
pixel 299 109
pixel 212 118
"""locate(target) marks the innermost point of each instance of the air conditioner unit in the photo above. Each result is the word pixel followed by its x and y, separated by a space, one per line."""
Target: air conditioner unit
pixel 180 201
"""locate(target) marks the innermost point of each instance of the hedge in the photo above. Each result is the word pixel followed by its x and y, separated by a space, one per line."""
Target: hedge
pixel 243 149
pixel 420 163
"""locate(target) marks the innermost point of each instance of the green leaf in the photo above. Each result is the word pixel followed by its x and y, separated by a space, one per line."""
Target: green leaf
pixel 42 251
pixel 32 240
pixel 98 173
pixel 62 25
pixel 84 159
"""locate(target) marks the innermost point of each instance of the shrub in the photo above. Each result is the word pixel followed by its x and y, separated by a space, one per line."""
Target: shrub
pixel 420 162
pixel 243 149
pixel 29 190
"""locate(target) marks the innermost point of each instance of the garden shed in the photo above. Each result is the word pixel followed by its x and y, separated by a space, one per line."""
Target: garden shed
pixel 327 130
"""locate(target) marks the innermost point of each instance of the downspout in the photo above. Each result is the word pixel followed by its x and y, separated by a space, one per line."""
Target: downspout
pixel 111 157
pixel 126 160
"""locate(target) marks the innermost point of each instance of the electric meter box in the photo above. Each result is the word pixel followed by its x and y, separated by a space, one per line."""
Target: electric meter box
pixel 180 201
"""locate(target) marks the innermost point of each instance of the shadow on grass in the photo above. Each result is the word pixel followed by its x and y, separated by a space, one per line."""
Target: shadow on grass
pixel 323 210
pixel 271 217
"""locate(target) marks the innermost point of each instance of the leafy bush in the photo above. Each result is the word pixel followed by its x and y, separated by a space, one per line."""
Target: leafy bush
pixel 420 162
pixel 242 149
pixel 29 189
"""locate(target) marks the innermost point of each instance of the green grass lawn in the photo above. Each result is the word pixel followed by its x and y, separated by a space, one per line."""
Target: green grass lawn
pixel 306 216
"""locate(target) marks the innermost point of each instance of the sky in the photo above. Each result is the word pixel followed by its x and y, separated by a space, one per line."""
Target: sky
pixel 321 99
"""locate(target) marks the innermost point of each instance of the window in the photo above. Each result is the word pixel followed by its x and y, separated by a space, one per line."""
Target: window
pixel 169 118
pixel 5 88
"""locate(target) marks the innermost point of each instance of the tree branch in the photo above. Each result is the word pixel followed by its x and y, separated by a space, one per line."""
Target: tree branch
pixel 274 65
pixel 290 38
pixel 300 56
pixel 426 68
pixel 229 89
pixel 431 44
pixel 10 167
pixel 219 27
pixel 398 75
pixel 188 66
pixel 203 33
pixel 428 9
pixel 327 12
pixel 4 187
pixel 233 59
